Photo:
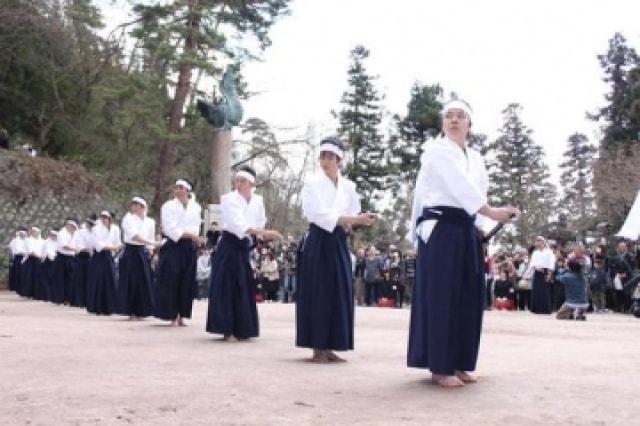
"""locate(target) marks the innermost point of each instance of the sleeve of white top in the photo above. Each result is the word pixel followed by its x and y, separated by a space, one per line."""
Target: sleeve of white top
pixel 416 208
pixel 116 236
pixel 233 216
pixel 132 227
pixel 169 220
pixel 316 211
pixel 150 229
pixel 354 207
pixel 100 238
pixel 455 180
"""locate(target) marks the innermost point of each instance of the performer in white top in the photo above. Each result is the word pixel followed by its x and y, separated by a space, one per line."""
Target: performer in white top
pixel 232 300
pixel 61 285
pixel 48 262
pixel 83 243
pixel 31 274
pixel 135 284
pixel 543 262
pixel 176 287
pixel 449 289
pixel 18 249
pixel 101 275
pixel 324 300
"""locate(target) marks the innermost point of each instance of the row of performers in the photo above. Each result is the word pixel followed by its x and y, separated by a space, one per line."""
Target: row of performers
pixel 448 302
pixel 75 265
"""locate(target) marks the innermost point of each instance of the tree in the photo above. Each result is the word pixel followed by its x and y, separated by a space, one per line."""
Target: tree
pixel 51 61
pixel 181 36
pixel 620 126
pixel 519 177
pixel 421 123
pixel 359 121
pixel 576 181
pixel 619 118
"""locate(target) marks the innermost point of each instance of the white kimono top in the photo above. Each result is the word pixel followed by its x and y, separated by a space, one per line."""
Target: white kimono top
pixel 82 239
pixel 323 202
pixel 49 250
pixel 65 238
pixel 448 176
pixel 541 259
pixel 18 246
pixel 176 219
pixel 103 237
pixel 35 247
pixel 238 214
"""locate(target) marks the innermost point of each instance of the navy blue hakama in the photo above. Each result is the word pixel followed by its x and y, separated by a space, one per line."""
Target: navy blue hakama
pixel 448 296
pixel 79 279
pixel 14 272
pixel 101 284
pixel 324 305
pixel 232 290
pixel 135 285
pixel 540 294
pixel 30 277
pixel 47 277
pixel 62 274
pixel 176 280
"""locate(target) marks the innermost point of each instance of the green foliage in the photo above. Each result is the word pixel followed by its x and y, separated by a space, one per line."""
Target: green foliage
pixel 576 181
pixel 519 177
pixel 421 123
pixel 359 122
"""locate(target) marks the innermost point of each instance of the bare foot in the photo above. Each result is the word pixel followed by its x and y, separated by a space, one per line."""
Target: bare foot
pixel 332 357
pixel 174 323
pixel 466 377
pixel 319 356
pixel 447 381
pixel 230 338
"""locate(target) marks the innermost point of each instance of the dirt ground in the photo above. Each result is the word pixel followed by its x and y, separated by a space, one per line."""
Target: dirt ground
pixel 59 365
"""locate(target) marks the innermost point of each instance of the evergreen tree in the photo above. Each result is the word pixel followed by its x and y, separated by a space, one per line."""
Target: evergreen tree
pixel 620 126
pixel 619 118
pixel 180 37
pixel 520 177
pixel 359 121
pixel 576 180
pixel 421 123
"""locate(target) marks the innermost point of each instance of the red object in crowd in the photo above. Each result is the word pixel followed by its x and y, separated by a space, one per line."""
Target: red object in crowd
pixel 385 302
pixel 259 298
pixel 504 304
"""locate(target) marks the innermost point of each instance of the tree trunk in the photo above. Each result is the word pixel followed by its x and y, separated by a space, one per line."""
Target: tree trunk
pixel 166 157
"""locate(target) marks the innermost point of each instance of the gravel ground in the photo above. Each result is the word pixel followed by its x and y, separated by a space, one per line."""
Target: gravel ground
pixel 59 365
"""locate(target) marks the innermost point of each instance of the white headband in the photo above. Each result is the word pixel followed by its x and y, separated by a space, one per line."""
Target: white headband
pixel 329 147
pixel 183 183
pixel 140 201
pixel 105 213
pixel 457 104
pixel 72 222
pixel 53 232
pixel 245 174
pixel 35 228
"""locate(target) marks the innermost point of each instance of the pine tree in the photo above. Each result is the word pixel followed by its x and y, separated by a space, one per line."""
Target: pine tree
pixel 621 65
pixel 421 123
pixel 359 121
pixel 576 181
pixel 180 37
pixel 520 178
pixel 620 126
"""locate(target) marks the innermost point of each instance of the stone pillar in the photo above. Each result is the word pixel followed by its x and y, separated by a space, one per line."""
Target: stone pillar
pixel 220 164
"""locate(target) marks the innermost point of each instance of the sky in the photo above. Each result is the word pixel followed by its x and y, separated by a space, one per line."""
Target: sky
pixel 541 54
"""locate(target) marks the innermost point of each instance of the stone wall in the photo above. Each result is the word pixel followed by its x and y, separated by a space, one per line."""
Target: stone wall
pixel 44 192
